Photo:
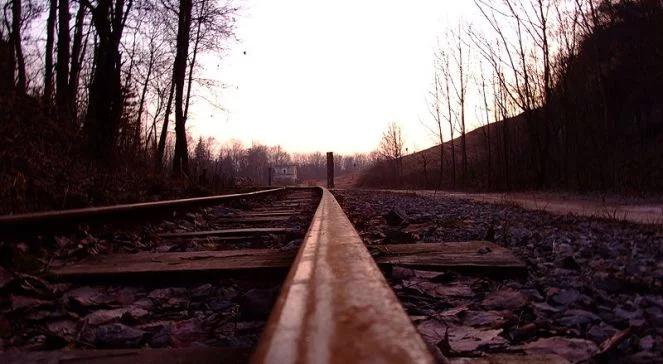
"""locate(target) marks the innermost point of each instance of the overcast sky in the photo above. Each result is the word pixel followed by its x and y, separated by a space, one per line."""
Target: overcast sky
pixel 326 75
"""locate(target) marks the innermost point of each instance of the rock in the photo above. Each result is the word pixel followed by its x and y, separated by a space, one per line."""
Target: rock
pixel 505 299
pixel 63 328
pixel 24 303
pixel 183 333
pixel 400 273
pixel 125 295
pixel 248 327
pixel 164 294
pixel 6 277
pixel 395 217
pixel 439 290
pixel 38 315
pixel 462 339
pixel 573 350
pixel 569 263
pixel 293 244
pixel 601 332
pixel 577 318
pixel 566 297
pixel 655 315
pixel 467 339
pixel 175 303
pixel 257 303
pixel 87 297
pixel 5 328
pixel 161 338
pixel 135 314
pixel 483 318
pixel 647 343
pixel 117 336
pixel 101 317
pixel 144 303
pixel 543 309
pixel 218 304
pixel 201 291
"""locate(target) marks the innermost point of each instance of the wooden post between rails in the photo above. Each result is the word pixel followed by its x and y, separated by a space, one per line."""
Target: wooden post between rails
pixel 330 170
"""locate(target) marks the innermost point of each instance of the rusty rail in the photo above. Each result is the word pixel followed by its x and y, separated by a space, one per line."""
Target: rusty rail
pixel 14 223
pixel 335 306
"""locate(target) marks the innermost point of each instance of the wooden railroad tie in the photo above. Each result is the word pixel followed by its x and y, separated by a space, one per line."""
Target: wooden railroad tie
pixel 121 356
pixel 452 255
pixel 234 232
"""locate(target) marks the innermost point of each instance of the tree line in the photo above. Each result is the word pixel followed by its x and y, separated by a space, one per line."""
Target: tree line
pixel 114 71
pixel 562 95
pixel 233 164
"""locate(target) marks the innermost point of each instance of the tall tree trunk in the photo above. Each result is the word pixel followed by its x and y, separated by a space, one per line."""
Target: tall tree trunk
pixel 490 155
pixel 164 128
pixel 141 103
pixel 461 99
pixel 106 100
pixel 438 119
pixel 451 130
pixel 62 66
pixel 6 66
pixel 193 58
pixel 17 9
pixel 48 62
pixel 77 50
pixel 181 158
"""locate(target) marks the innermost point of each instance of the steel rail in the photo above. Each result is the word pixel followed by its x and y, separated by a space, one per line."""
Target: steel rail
pixel 12 223
pixel 335 305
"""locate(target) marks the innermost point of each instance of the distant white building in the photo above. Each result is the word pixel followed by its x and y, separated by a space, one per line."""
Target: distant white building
pixel 284 175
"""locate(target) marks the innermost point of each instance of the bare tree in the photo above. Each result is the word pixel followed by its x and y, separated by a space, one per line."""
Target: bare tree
pixel 486 128
pixel 460 90
pixel 435 104
pixel 62 65
pixel 106 101
pixel 17 22
pixel 450 117
pixel 181 157
pixel 50 38
pixel 391 148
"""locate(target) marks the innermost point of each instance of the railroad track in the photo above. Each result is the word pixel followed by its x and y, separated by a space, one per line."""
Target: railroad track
pixel 194 280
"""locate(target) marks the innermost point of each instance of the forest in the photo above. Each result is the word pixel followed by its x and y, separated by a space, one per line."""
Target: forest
pixel 567 96
pixel 96 96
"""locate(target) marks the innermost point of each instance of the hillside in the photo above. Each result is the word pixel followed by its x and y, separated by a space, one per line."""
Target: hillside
pixel 600 130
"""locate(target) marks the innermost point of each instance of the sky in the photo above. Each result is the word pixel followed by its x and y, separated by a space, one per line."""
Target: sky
pixel 325 75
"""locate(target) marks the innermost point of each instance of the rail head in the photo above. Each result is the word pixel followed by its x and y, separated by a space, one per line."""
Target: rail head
pixel 12 223
pixel 335 305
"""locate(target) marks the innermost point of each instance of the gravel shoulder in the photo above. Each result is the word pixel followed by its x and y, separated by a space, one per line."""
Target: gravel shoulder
pixel 593 291
pixel 642 211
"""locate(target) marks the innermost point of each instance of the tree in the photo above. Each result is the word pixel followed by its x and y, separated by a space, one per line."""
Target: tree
pixel 181 157
pixel 435 104
pixel 17 22
pixel 62 65
pixel 391 148
pixel 460 89
pixel 486 128
pixel 48 61
pixel 105 101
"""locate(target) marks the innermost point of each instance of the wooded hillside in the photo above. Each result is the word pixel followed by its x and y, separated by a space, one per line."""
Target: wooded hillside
pixel 600 128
